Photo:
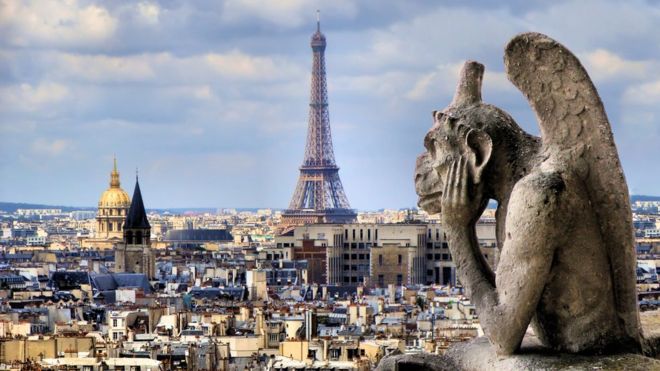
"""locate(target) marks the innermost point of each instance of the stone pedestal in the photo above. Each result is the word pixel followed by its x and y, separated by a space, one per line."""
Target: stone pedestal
pixel 478 355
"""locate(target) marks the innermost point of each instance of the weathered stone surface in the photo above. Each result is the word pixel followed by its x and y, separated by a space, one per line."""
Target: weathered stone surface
pixel 417 362
pixel 564 223
pixel 478 355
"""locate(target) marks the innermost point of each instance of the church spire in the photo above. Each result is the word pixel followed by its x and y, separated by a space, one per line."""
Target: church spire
pixel 114 175
pixel 137 215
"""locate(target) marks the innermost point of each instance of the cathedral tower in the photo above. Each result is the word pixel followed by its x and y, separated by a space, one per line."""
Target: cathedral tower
pixel 135 254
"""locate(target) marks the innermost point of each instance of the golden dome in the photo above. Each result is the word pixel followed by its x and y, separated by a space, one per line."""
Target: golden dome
pixel 114 197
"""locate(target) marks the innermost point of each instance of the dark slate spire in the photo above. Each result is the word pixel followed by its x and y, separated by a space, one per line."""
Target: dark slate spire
pixel 137 216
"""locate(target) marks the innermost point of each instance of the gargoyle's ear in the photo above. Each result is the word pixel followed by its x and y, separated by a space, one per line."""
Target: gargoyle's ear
pixel 479 147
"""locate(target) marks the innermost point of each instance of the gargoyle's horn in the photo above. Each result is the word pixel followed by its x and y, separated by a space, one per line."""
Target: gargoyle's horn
pixel 468 90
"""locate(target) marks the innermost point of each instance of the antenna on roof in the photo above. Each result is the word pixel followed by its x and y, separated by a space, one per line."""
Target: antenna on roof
pixel 136 174
pixel 318 20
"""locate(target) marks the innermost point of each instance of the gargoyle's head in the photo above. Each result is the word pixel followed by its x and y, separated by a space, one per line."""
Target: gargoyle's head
pixel 467 127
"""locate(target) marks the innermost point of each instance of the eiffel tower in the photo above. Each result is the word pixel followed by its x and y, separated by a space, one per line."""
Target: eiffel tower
pixel 319 196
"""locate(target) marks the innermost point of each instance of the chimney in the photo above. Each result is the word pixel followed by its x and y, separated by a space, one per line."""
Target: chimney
pixel 315 291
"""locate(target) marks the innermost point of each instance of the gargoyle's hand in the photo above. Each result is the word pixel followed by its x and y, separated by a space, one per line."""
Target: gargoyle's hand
pixel 459 208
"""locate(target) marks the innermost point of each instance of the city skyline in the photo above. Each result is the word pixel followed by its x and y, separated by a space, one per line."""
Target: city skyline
pixel 211 101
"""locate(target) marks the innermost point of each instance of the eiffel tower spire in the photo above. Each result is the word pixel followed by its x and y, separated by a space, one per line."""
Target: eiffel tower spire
pixel 319 196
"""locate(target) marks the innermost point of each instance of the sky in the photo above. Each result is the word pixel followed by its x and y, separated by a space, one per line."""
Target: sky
pixel 209 99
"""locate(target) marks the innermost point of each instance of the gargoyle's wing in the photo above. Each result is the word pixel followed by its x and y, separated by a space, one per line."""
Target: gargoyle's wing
pixel 577 137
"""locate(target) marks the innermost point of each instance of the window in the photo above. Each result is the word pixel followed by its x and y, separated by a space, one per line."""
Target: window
pixel 353 234
pixel 361 234
pixel 346 267
pixel 376 234
pixel 380 260
pixel 399 279
pixel 346 234
pixel 360 256
pixel 115 335
pixel 381 280
pixel 429 272
pixel 347 256
pixel 437 256
pixel 353 245
pixel 354 256
pixel 368 234
pixel 429 256
pixel 114 322
pixel 361 245
pixel 400 259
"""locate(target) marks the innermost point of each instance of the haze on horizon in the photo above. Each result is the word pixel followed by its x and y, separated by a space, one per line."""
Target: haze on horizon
pixel 210 100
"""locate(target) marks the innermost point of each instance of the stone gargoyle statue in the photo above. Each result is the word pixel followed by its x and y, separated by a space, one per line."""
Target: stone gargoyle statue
pixel 564 223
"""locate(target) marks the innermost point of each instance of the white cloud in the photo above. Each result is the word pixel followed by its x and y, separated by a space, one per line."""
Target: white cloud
pixel 149 12
pixel 102 68
pixel 444 78
pixel 432 38
pixel 165 68
pixel 51 23
pixel 643 94
pixel 603 64
pixel 26 97
pixel 284 13
pixel 237 65
pixel 50 147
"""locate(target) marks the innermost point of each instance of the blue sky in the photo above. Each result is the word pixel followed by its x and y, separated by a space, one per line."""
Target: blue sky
pixel 209 98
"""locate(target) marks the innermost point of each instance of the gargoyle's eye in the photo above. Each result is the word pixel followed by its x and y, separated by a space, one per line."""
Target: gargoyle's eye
pixel 429 144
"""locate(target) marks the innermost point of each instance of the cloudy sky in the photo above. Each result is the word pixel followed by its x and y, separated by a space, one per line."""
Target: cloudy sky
pixel 209 98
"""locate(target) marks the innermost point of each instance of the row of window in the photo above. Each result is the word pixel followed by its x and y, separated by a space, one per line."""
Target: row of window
pixel 112 212
pixel 357 267
pixel 361 234
pixel 356 256
pixel 442 257
pixel 437 234
pixel 430 245
pixel 358 245
pixel 353 279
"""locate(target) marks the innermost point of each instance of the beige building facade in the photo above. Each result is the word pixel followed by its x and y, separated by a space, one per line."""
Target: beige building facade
pixel 377 255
